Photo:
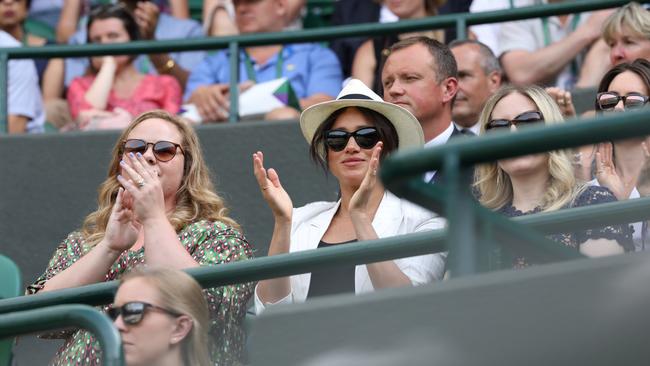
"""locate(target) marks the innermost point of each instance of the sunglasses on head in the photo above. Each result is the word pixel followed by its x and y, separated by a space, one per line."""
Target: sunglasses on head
pixel 524 119
pixel 609 100
pixel 133 312
pixel 162 150
pixel 366 138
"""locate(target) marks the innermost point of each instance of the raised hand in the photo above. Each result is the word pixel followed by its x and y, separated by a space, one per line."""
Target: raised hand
pixel 606 172
pixel 277 198
pixel 643 183
pixel 563 100
pixel 143 185
pixel 360 198
pixel 121 229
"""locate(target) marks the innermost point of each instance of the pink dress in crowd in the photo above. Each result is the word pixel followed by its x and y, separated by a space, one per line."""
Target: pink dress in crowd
pixel 153 92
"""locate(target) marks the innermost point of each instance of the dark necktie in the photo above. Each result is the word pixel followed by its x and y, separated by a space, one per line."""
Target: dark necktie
pixel 467 132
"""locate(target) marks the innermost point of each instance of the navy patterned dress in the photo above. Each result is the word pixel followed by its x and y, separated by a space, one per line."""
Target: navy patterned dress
pixel 590 196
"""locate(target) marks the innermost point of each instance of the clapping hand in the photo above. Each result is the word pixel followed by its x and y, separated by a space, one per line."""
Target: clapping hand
pixel 606 172
pixel 643 183
pixel 360 198
pixel 277 198
pixel 142 183
pixel 121 229
pixel 563 100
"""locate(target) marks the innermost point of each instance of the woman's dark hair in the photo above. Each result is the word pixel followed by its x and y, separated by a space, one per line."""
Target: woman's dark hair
pixel 387 134
pixel 119 11
pixel 640 67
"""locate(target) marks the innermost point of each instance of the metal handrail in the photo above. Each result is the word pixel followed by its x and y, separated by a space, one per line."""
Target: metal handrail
pixel 82 316
pixel 234 43
pixel 349 254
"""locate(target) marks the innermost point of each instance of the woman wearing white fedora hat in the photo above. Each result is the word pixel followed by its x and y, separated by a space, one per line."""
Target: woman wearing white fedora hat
pixel 364 211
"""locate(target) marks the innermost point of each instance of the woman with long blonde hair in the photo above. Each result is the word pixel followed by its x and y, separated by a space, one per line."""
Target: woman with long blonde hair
pixel 162 317
pixel 158 206
pixel 540 182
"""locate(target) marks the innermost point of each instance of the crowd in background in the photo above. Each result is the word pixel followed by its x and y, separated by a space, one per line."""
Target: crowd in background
pixel 357 100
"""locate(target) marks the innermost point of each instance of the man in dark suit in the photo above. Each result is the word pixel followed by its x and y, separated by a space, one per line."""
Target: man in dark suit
pixel 420 74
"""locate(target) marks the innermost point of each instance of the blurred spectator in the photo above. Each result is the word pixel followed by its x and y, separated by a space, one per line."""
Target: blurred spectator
pixel 479 76
pixel 370 57
pixel 313 70
pixel 348 12
pixel 152 24
pixel 541 182
pixel 420 74
pixel 46 11
pixel 50 72
pixel 348 137
pixel 157 206
pixel 488 34
pixel 24 101
pixel 619 164
pixel 219 18
pixel 162 315
pixel 627 33
pixel 549 50
pixel 115 91
pixel 73 10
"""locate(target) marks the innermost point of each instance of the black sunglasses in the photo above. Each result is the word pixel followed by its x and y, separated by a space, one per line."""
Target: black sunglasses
pixel 609 100
pixel 133 312
pixel 526 118
pixel 162 150
pixel 366 138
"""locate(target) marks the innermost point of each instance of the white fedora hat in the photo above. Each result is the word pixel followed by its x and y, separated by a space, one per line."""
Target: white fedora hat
pixel 357 94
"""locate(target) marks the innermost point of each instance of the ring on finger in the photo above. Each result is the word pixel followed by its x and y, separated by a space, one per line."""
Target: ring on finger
pixel 140 183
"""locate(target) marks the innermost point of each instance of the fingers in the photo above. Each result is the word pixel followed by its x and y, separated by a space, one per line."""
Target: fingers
pixel 274 178
pixel 143 167
pixel 374 160
pixel 118 201
pixel 259 171
pixel 131 173
pixel 127 184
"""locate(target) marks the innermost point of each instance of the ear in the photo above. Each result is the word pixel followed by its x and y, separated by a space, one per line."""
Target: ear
pixel 182 327
pixel 449 89
pixel 494 81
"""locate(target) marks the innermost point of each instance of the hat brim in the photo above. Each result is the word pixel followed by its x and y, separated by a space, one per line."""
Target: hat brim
pixel 409 131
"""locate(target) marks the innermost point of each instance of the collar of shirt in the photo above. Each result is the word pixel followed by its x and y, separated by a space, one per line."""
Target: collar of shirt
pixel 476 128
pixel 438 140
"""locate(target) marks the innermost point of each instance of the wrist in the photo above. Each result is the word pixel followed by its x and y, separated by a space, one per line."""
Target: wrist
pixel 164 64
pixel 107 250
pixel 155 220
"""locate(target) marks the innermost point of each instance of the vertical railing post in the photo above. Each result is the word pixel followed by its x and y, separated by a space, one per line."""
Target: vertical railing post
pixel 4 92
pixel 461 27
pixel 461 218
pixel 233 47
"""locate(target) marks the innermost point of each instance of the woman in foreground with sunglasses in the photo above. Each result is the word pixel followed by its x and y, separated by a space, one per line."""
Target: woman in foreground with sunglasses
pixel 348 137
pixel 162 317
pixel 620 164
pixel 541 182
pixel 157 206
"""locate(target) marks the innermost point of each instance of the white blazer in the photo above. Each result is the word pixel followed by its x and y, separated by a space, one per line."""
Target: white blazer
pixel 394 217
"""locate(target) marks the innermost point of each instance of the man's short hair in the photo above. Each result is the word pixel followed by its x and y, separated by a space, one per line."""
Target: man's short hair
pixel 489 62
pixel 445 63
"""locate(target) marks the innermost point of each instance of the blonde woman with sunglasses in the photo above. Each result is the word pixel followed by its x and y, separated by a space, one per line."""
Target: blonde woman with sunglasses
pixel 162 317
pixel 541 182
pixel 157 206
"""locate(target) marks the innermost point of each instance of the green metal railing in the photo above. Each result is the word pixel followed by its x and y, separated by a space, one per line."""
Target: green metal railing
pixel 55 317
pixel 402 174
pixel 235 43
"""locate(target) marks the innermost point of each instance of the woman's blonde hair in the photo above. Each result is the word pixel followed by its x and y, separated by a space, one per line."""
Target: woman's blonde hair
pixel 195 199
pixel 494 185
pixel 180 293
pixel 632 16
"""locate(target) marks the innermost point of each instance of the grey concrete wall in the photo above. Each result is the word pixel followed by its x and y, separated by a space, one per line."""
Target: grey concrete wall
pixel 48 184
